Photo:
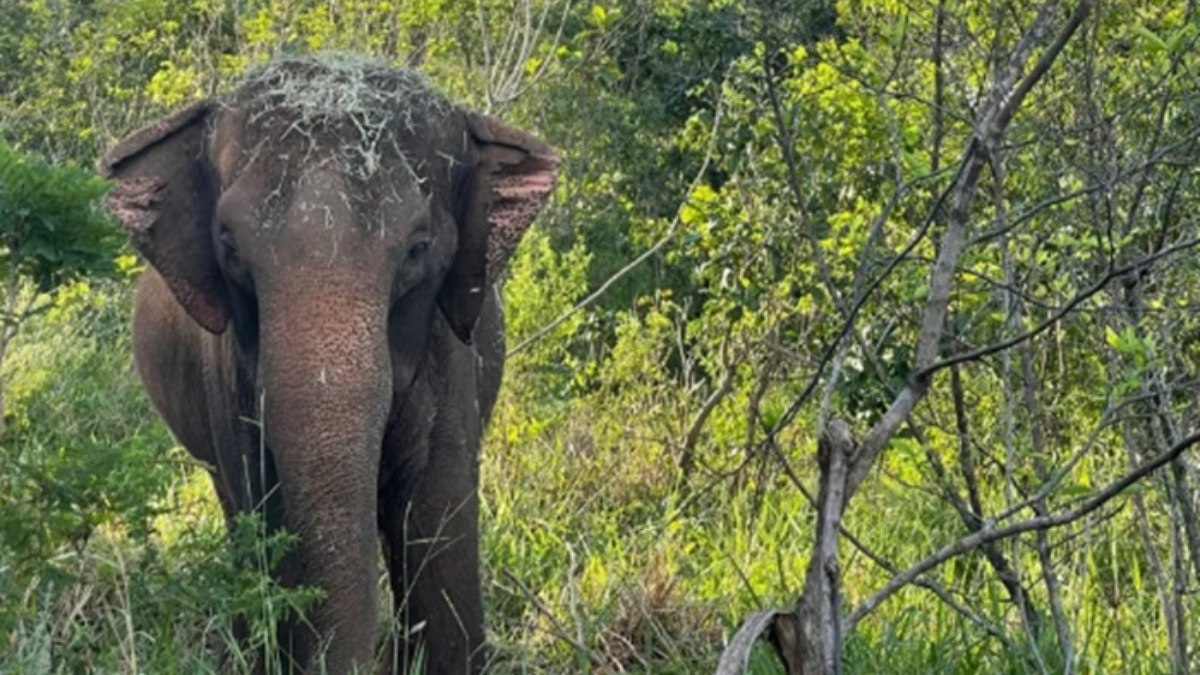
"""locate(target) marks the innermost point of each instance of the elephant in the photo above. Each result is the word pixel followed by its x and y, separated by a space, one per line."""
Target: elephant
pixel 318 324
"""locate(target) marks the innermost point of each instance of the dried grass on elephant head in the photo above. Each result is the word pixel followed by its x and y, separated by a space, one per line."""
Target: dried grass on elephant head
pixel 357 97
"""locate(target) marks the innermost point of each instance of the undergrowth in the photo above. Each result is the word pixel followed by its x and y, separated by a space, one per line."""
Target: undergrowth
pixel 114 557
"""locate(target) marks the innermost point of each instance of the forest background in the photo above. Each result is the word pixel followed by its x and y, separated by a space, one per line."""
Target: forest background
pixel 955 239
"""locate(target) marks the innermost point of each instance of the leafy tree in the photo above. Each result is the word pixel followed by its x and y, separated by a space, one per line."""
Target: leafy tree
pixel 52 232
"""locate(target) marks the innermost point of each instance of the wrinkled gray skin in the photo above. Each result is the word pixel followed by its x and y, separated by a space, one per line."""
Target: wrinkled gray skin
pixel 318 326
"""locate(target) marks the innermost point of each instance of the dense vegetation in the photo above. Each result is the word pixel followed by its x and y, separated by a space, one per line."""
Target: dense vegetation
pixel 965 228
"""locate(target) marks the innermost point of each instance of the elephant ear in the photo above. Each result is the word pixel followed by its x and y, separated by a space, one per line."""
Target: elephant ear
pixel 164 197
pixel 511 179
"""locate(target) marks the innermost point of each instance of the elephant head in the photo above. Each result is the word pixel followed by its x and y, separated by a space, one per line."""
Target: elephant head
pixel 323 218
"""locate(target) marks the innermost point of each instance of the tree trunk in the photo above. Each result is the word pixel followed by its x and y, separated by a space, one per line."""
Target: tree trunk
pixel 809 638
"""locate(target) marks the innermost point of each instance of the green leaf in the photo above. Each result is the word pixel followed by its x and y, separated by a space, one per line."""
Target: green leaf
pixel 1182 37
pixel 1149 40
pixel 1111 338
pixel 598 16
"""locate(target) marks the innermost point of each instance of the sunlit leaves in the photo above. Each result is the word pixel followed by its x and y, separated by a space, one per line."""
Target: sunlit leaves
pixel 171 86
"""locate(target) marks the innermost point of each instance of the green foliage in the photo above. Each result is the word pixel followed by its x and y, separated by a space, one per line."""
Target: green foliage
pixel 542 285
pixel 73 399
pixel 113 554
pixel 51 223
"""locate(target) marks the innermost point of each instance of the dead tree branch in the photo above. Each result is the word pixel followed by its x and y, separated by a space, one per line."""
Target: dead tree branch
pixel 804 638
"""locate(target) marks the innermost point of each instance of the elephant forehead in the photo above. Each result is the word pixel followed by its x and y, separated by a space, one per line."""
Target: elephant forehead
pixel 361 111
pixel 284 147
pixel 390 197
pixel 322 198
pixel 324 221
pixel 327 197
pixel 333 86
pixel 281 185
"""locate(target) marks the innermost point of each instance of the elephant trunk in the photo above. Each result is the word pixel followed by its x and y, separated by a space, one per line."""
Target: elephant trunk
pixel 325 373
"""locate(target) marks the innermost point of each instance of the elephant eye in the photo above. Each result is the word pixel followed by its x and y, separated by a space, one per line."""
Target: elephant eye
pixel 418 249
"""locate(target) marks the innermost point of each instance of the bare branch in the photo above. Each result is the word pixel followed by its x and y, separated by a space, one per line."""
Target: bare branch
pixel 987 134
pixel 1057 316
pixel 558 629
pixel 989 534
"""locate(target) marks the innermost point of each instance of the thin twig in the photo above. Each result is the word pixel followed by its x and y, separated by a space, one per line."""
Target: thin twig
pixel 559 631
pixel 989 534
pixel 976 354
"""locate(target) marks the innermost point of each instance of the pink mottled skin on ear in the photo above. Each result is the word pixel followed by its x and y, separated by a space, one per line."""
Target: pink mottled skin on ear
pixel 132 201
pixel 520 182
pixel 516 200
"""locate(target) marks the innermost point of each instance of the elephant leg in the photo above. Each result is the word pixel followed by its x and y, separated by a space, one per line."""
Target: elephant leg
pixel 173 363
pixel 431 523
pixel 169 354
